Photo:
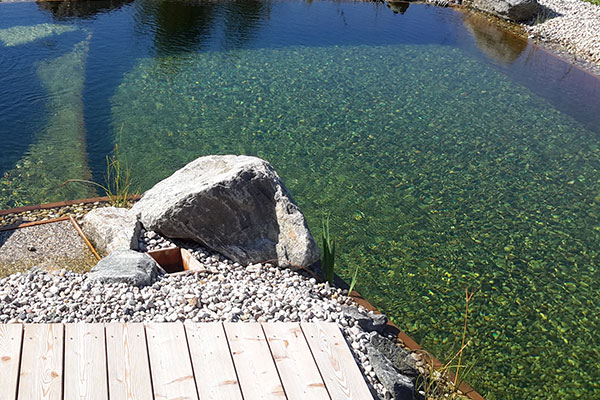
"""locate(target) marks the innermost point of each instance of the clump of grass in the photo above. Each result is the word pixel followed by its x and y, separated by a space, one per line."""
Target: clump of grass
pixel 353 282
pixel 117 180
pixel 468 297
pixel 442 382
pixel 328 257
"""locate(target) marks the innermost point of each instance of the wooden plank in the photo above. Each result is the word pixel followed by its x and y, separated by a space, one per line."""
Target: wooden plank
pixel 41 362
pixel 213 365
pixel 85 362
pixel 253 362
pixel 170 364
pixel 297 369
pixel 127 360
pixel 335 361
pixel 11 337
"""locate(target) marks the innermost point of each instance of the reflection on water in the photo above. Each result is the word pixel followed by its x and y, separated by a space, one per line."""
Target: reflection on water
pixel 80 9
pixel 182 26
pixel 398 7
pixel 499 44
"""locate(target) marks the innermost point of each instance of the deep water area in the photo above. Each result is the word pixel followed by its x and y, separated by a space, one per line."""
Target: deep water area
pixel 446 157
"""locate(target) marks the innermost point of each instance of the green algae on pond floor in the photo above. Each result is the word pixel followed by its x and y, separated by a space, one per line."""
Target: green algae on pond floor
pixel 18 35
pixel 438 172
pixel 59 151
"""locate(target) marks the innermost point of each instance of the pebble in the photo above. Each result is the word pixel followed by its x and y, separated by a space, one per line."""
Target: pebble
pixel 222 296
pixel 225 292
pixel 572 24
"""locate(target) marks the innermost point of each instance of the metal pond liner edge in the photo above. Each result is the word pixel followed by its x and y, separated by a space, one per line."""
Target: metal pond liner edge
pixel 62 204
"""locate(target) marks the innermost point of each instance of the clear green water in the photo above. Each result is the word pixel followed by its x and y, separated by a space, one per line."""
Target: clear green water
pixel 439 174
pixel 443 167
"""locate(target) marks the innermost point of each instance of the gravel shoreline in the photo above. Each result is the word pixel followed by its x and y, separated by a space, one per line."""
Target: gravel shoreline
pixel 226 291
pixel 572 25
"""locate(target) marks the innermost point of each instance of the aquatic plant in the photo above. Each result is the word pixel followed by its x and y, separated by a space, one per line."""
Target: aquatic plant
pixel 18 35
pixel 328 250
pixel 354 279
pixel 468 297
pixel 117 180
pixel 443 381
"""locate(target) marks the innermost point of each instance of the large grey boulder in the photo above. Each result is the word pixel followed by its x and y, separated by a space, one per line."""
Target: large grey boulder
pixel 235 205
pixel 111 228
pixel 512 10
pixel 131 267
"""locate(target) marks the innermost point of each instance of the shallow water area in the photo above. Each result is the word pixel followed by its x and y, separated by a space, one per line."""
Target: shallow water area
pixel 51 246
pixel 449 153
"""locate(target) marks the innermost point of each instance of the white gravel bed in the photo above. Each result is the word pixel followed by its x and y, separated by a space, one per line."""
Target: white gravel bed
pixel 228 292
pixel 576 27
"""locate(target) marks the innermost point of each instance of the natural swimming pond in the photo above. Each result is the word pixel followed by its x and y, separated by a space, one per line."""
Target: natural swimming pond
pixel 449 153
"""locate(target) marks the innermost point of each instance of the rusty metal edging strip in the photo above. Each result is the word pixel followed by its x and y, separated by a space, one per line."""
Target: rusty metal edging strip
pixel 33 223
pixel 409 342
pixel 61 204
pixel 85 239
pixel 49 221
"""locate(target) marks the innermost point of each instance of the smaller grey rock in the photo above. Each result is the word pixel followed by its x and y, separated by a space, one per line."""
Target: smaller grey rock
pixel 131 267
pixel 512 10
pixel 400 386
pixel 111 228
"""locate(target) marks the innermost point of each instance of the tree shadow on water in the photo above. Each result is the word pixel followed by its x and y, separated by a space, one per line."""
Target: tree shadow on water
pixel 64 10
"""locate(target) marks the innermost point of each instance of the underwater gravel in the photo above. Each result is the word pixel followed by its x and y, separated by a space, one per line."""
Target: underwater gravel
pixel 226 292
pixel 56 244
pixel 573 24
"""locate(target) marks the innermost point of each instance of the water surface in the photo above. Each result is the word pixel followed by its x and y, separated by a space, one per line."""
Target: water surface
pixel 449 154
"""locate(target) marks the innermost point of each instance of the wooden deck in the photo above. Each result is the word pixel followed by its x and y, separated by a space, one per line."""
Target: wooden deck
pixel 178 361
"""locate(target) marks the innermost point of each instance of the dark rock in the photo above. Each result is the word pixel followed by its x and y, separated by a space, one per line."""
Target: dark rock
pixel 512 10
pixel 235 205
pixel 368 322
pixel 131 267
pixel 401 387
pixel 400 358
